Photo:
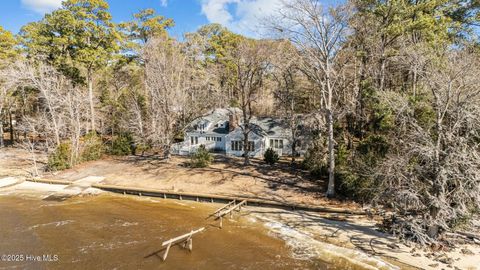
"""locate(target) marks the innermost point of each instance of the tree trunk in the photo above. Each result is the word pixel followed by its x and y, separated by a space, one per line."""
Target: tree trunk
pixel 294 152
pixel 90 98
pixel 2 144
pixel 382 72
pixel 294 140
pixel 331 142
pixel 12 132
pixel 414 83
pixel 331 156
pixel 245 149
pixel 166 153
pixel 433 229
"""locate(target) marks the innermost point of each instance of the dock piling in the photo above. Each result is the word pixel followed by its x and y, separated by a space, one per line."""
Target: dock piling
pixel 186 239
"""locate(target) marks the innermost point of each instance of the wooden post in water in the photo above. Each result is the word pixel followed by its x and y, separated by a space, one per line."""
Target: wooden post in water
pixel 223 207
pixel 166 252
pixel 228 209
pixel 186 239
pixel 188 244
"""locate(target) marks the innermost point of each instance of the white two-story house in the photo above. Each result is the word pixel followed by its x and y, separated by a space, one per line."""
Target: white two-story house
pixel 221 131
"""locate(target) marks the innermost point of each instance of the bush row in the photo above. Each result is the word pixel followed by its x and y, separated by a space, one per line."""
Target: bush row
pixel 91 147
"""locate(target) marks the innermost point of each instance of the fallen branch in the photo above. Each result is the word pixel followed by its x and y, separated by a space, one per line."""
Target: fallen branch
pixel 469 235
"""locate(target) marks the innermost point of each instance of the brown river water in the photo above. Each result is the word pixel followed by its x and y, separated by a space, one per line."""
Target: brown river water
pixel 122 232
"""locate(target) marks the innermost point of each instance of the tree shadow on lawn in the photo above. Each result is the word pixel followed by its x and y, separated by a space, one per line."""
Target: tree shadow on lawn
pixel 278 177
pixel 281 176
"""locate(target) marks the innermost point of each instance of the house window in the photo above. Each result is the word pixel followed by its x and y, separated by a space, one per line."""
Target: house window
pixel 251 146
pixel 219 139
pixel 193 140
pixel 202 127
pixel 238 146
pixel 277 144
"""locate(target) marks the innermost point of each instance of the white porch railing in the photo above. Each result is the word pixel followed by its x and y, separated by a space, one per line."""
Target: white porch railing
pixel 184 148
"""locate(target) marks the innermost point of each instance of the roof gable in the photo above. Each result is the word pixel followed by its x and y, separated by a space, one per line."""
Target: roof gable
pixel 216 121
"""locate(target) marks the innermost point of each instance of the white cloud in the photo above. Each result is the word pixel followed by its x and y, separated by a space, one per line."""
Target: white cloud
pixel 42 6
pixel 216 11
pixel 163 3
pixel 242 16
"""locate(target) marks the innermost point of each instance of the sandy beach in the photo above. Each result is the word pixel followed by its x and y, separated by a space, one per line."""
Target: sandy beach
pixel 335 238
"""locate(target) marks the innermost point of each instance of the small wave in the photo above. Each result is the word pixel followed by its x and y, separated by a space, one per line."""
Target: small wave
pixel 107 246
pixel 56 224
pixel 305 247
pixel 128 224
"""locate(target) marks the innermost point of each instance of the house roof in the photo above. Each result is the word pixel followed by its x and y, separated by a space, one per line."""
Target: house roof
pixel 262 126
pixel 271 127
pixel 212 118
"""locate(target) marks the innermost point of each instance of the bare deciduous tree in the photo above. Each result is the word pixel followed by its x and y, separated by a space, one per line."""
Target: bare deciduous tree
pixel 319 34
pixel 3 101
pixel 288 88
pixel 176 91
pixel 61 108
pixel 432 179
pixel 250 61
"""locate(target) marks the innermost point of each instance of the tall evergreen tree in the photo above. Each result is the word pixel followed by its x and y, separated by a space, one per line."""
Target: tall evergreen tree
pixel 78 39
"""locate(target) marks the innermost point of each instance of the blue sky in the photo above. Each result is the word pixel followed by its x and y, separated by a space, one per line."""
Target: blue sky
pixel 186 13
pixel 242 16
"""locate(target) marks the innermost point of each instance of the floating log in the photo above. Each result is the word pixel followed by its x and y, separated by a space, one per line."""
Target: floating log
pixel 186 238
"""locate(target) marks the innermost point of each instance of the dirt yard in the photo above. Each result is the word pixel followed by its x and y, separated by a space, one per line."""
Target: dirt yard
pixel 226 176
pixel 17 162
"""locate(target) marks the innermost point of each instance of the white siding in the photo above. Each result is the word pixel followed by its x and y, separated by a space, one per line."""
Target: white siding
pixel 237 135
pixel 285 150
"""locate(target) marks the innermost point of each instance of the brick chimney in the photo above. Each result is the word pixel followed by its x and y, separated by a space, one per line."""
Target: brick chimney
pixel 232 122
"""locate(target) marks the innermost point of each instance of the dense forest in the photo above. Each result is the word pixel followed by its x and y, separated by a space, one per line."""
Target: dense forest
pixel 389 92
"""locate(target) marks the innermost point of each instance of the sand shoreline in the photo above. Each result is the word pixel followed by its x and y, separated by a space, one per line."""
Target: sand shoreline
pixel 340 230
pixel 329 253
pixel 337 242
